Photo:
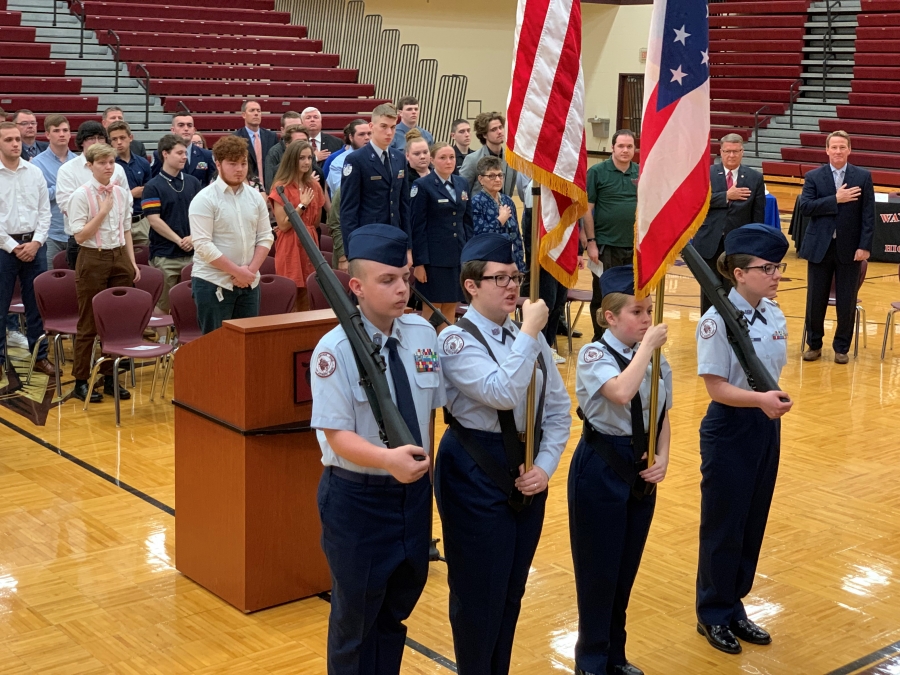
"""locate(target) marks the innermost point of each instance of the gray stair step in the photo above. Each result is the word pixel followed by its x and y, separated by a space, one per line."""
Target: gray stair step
pixel 842 63
pixel 837 37
pixel 831 76
pixel 836 50
pixel 65 50
pixel 843 23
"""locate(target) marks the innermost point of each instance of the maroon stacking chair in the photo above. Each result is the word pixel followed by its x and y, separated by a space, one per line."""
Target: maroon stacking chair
pixel 277 295
pixel 57 301
pixel 186 272
pixel 268 266
pixel 152 280
pixel 860 312
pixel 889 324
pixel 60 261
pixel 317 299
pixel 271 252
pixel 461 309
pixel 121 315
pixel 326 245
pixel 142 254
pixel 184 314
pixel 581 297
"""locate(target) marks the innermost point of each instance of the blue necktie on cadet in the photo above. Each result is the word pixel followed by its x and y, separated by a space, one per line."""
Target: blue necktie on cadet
pixel 402 391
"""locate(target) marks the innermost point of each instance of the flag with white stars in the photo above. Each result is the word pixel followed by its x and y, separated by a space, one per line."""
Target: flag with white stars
pixel 673 196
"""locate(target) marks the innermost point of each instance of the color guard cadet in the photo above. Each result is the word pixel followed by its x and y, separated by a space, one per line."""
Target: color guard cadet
pixel 375 502
pixel 740 438
pixel 483 492
pixel 610 508
pixel 373 181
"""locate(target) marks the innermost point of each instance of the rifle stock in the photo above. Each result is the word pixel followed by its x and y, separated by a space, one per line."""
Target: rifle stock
pixel 758 377
pixel 372 368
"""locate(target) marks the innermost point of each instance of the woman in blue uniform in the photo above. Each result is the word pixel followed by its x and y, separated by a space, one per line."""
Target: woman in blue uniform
pixel 740 438
pixel 441 225
pixel 609 508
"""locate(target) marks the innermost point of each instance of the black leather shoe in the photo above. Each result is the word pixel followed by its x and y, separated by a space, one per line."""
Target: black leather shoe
pixel 109 387
pixel 81 392
pixel 627 669
pixel 720 637
pixel 563 329
pixel 746 630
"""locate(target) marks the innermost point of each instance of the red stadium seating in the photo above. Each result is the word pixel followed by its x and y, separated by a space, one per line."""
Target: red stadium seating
pixel 49 103
pixel 218 12
pixel 206 72
pixel 188 27
pixel 214 104
pixel 24 50
pixel 140 54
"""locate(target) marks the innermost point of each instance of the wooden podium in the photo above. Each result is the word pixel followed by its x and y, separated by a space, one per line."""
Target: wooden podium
pixel 247 463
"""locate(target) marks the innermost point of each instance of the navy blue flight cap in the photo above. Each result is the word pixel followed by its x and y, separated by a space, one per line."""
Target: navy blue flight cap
pixel 756 239
pixel 382 243
pixel 617 280
pixel 489 247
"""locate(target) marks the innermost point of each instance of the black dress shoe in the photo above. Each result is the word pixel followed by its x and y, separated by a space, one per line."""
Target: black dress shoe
pixel 109 387
pixel 720 637
pixel 81 392
pixel 627 669
pixel 563 329
pixel 746 630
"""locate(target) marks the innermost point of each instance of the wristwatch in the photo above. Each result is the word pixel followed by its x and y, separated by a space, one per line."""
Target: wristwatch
pixel 303 207
pixel 591 239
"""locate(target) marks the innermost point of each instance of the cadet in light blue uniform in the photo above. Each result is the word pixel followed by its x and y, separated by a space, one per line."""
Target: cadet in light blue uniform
pixel 375 502
pixel 740 438
pixel 610 507
pixel 490 535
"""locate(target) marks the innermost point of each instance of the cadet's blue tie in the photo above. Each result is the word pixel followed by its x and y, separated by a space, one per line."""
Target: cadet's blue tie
pixel 402 392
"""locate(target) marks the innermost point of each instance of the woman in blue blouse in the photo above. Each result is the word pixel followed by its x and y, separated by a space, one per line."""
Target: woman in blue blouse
pixel 493 211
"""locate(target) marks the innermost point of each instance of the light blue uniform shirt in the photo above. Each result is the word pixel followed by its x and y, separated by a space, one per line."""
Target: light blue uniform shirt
pixel 477 386
pixel 49 165
pixel 596 366
pixel 340 402
pixel 714 353
pixel 399 142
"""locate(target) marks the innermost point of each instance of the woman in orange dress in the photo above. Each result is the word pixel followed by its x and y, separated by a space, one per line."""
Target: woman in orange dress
pixel 306 195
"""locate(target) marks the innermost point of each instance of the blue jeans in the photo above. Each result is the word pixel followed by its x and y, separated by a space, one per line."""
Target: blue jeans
pixel 10 269
pixel 238 303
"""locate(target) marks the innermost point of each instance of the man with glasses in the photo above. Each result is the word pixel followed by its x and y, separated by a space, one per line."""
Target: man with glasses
pixel 26 123
pixel 738 198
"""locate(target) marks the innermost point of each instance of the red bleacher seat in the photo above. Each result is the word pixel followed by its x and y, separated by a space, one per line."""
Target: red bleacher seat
pixel 140 54
pixel 784 7
pixel 179 26
pixel 857 98
pixel 235 121
pixel 48 103
pixel 149 39
pixel 869 128
pixel 24 50
pixel 221 104
pixel 17 34
pixel 244 88
pixel 879 46
pixel 868 112
pixel 865 159
pixel 220 12
pixel 33 67
pixel 765 21
pixel 789 169
pixel 204 72
pixel 718 132
pixel 257 5
pixel 749 107
pixel 767 34
pixel 40 85
pixel 859 142
pixel 881 59
pixel 758 58
pixel 886 178
pixel 741 44
pixel 10 18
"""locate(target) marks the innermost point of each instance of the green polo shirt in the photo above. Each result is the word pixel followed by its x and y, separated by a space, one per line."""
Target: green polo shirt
pixel 614 196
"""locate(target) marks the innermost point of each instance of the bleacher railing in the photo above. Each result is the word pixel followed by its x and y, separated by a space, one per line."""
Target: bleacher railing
pixel 394 69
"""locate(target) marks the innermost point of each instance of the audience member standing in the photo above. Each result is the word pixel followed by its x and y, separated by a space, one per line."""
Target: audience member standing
pixel 26 123
pixel 322 144
pixel 114 114
pixel 408 107
pixel 165 203
pixel 49 162
pixel 100 220
pixel 493 211
pixel 24 225
pixel 357 135
pixel 76 172
pixel 490 129
pixel 231 236
pixel 199 162
pixel 137 170
pixel 839 200
pixel 373 183
pixel 609 221
pixel 260 140
pixel 461 131
pixel 273 157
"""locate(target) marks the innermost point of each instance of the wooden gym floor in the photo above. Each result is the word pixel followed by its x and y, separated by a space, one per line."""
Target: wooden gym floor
pixel 88 583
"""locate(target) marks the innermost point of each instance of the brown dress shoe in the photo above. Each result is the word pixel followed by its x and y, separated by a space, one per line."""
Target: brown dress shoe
pixel 812 354
pixel 44 366
pixel 841 358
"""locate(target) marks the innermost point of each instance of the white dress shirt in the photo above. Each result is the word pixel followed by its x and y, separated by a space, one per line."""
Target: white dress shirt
pixel 117 222
pixel 227 222
pixel 24 204
pixel 75 173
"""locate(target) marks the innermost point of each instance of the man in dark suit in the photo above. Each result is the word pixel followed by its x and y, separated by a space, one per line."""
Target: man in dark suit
pixel 738 198
pixel 199 163
pixel 322 144
pixel 26 123
pixel 839 200
pixel 260 140
pixel 373 181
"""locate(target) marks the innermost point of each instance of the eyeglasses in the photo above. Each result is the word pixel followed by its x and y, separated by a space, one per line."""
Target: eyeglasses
pixel 733 152
pixel 26 124
pixel 492 176
pixel 503 280
pixel 769 268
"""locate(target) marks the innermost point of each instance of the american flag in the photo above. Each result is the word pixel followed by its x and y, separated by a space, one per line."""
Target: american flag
pixel 673 194
pixel 545 120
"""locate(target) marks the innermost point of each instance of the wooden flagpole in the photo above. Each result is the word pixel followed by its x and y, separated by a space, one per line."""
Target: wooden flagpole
pixel 654 376
pixel 534 264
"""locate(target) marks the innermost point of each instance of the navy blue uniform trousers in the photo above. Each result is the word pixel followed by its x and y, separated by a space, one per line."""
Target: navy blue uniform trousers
pixel 739 450
pixel 376 539
pixel 489 548
pixel 608 529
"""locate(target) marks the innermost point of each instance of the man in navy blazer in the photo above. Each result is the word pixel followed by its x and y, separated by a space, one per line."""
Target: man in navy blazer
pixel 199 163
pixel 840 201
pixel 738 198
pixel 373 182
pixel 251 111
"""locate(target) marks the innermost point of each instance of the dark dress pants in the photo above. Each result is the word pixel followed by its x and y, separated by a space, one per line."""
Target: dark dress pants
pixel 846 286
pixel 11 268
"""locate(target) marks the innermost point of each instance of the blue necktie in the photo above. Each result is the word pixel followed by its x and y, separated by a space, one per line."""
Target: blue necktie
pixel 450 190
pixel 402 392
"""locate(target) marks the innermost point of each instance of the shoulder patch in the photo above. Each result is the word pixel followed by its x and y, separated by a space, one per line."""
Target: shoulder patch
pixel 414 191
pixel 453 344
pixel 592 354
pixel 708 328
pixel 348 169
pixel 325 364
pixel 202 166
